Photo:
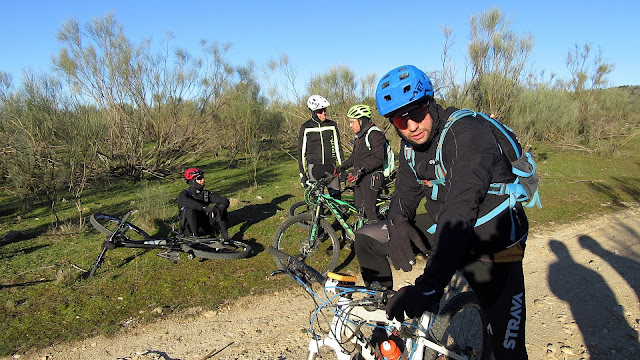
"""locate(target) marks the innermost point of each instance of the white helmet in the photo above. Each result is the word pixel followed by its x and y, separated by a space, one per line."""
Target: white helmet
pixel 317 102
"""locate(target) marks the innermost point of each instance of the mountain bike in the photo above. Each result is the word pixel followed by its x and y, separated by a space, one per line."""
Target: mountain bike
pixel 347 195
pixel 311 235
pixel 121 233
pixel 350 320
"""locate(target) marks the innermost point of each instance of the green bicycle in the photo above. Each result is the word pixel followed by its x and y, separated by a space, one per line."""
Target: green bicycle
pixel 311 235
pixel 347 194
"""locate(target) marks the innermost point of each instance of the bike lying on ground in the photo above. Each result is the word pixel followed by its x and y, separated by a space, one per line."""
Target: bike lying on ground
pixel 350 320
pixel 311 235
pixel 121 233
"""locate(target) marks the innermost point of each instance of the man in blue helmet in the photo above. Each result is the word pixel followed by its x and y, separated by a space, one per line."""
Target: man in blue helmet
pixel 489 255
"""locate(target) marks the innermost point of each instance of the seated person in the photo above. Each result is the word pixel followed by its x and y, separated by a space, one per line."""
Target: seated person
pixel 202 212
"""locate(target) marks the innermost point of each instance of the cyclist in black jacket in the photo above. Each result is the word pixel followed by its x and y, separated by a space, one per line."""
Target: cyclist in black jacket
pixel 202 212
pixel 486 255
pixel 366 159
pixel 319 149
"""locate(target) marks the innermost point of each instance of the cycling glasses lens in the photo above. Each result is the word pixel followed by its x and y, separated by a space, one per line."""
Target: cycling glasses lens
pixel 416 114
pixel 200 178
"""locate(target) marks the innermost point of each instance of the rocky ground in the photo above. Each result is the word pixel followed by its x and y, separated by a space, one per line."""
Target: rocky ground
pixel 582 299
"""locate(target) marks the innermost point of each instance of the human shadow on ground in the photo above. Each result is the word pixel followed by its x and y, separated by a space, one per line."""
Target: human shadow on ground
pixel 593 305
pixel 250 215
pixel 626 267
pixel 20 252
pixel 23 284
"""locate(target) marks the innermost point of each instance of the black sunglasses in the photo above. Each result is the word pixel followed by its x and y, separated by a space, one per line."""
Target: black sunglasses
pixel 415 113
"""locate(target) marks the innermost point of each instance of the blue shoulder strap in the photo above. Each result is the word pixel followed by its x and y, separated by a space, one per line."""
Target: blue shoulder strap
pixel 441 173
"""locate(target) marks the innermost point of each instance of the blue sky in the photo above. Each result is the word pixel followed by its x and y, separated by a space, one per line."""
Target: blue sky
pixel 367 36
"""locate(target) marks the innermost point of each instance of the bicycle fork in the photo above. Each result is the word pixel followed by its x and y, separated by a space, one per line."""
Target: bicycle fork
pixel 98 261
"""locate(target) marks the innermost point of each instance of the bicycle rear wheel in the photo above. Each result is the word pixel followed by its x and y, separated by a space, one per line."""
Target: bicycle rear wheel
pixel 107 224
pixel 217 249
pixel 321 252
pixel 462 328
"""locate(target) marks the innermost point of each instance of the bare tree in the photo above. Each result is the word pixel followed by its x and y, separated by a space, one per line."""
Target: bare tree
pixel 159 105
pixel 589 73
pixel 35 150
pixel 498 57
pixel 588 69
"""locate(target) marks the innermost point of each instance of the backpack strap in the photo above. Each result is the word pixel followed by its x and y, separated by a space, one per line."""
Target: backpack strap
pixel 366 137
pixel 410 156
pixel 441 171
pixel 514 190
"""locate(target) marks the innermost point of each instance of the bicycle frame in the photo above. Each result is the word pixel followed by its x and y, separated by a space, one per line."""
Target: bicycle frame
pixel 353 307
pixel 350 315
pixel 338 208
pixel 315 197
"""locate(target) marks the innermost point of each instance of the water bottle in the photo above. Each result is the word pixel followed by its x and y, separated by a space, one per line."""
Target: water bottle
pixel 390 350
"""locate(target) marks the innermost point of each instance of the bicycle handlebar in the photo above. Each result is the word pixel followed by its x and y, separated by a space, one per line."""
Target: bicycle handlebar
pixel 316 188
pixel 296 266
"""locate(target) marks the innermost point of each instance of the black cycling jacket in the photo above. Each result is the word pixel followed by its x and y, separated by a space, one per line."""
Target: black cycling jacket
pixel 362 157
pixel 473 161
pixel 192 198
pixel 318 143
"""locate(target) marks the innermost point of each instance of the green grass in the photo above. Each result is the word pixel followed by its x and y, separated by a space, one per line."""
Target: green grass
pixel 44 299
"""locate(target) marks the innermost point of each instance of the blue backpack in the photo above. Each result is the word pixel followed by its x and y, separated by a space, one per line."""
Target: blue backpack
pixel 524 189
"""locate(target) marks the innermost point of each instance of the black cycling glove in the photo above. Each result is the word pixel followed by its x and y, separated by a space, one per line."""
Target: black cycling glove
pixel 213 211
pixel 401 235
pixel 413 301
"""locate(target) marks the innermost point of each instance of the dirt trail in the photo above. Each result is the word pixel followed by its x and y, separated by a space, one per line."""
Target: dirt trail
pixel 583 284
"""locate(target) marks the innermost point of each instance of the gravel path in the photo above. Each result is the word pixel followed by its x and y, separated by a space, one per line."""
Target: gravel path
pixel 583 282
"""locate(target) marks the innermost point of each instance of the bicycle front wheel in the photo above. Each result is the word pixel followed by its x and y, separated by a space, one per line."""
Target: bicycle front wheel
pixel 462 328
pixel 107 224
pixel 298 208
pixel 217 249
pixel 321 252
pixel 301 207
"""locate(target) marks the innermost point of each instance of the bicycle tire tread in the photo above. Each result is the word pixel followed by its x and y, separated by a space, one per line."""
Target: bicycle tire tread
pixel 94 220
pixel 306 218
pixel 446 314
pixel 201 250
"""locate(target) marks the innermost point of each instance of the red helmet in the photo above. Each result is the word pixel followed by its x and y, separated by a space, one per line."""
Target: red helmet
pixel 192 172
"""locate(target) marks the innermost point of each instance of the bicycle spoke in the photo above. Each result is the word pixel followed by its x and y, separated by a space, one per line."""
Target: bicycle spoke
pixel 320 252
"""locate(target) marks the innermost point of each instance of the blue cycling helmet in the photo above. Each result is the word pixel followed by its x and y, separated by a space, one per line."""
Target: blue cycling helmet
pixel 400 87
